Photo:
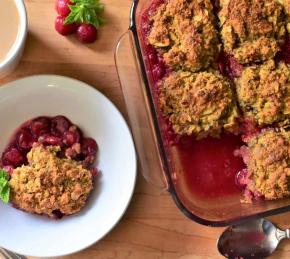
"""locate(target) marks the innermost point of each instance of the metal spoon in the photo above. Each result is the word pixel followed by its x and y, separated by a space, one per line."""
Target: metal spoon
pixel 5 254
pixel 251 239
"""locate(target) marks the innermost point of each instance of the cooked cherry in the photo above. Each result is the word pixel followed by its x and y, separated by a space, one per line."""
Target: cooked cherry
pixel 25 140
pixel 88 161
pixel 13 157
pixel 57 214
pixel 153 7
pixel 71 137
pixel 40 126
pixel 59 125
pixel 51 140
pixel 89 147
pixel 241 179
pixel 8 169
pixel 94 172
pixel 152 58
pixel 229 66
pixel 158 71
pixel 285 51
pixel 145 26
pixel 152 55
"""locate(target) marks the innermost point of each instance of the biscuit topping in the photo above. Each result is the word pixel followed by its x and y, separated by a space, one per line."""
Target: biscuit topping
pixel 49 185
pixel 198 103
pixel 264 93
pixel 268 161
pixel 185 34
pixel 252 30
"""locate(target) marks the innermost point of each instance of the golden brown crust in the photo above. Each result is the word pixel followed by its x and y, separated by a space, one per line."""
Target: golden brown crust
pixel 264 93
pixel 286 4
pixel 50 184
pixel 201 104
pixel 184 32
pixel 268 164
pixel 252 30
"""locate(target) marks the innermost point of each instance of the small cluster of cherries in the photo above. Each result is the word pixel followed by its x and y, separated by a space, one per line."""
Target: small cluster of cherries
pixel 49 131
pixel 85 33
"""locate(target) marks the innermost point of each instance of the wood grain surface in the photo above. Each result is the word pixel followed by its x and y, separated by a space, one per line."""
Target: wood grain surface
pixel 153 227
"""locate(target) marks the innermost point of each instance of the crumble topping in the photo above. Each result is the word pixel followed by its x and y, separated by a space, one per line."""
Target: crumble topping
pixel 267 157
pixel 49 184
pixel 264 93
pixel 184 33
pixel 286 4
pixel 198 103
pixel 252 30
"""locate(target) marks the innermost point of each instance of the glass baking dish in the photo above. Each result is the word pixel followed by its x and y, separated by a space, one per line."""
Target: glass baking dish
pixel 158 161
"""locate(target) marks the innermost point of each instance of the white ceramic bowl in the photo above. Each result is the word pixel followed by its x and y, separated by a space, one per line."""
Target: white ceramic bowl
pixel 50 95
pixel 11 61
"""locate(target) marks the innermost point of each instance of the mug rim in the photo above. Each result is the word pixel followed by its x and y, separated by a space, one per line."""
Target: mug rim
pixel 20 40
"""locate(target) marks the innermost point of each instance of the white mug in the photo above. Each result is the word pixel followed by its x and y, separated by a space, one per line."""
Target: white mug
pixel 12 59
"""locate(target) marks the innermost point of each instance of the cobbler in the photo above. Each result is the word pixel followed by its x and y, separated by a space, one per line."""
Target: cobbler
pixel 200 104
pixel 184 33
pixel 252 30
pixel 264 93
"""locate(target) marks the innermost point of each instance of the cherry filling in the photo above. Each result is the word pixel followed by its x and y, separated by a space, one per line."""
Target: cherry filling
pixel 229 66
pixel 284 55
pixel 59 125
pixel 40 126
pixel 50 131
pixel 242 179
pixel 209 166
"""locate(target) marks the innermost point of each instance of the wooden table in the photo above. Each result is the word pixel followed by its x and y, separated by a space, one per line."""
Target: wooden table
pixel 153 227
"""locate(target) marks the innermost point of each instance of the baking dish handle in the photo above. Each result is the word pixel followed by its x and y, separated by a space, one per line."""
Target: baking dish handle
pixel 140 119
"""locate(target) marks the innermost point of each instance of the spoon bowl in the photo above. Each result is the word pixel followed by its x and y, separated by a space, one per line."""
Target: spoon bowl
pixel 252 239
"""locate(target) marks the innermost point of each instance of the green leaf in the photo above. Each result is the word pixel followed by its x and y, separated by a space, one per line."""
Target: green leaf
pixel 86 11
pixel 4 186
pixel 5 194
pixel 4 174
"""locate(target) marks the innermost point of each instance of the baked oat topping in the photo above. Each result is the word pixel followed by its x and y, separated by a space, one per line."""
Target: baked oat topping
pixel 184 32
pixel 48 184
pixel 201 104
pixel 267 157
pixel 252 30
pixel 286 4
pixel 264 93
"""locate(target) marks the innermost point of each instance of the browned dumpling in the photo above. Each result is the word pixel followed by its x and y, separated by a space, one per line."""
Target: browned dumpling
pixel 264 93
pixel 252 30
pixel 200 104
pixel 185 34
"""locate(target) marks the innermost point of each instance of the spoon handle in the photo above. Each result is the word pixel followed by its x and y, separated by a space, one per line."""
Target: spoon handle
pixel 10 255
pixel 281 234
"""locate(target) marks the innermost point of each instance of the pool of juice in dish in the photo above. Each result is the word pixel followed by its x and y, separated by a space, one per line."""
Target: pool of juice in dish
pixel 209 166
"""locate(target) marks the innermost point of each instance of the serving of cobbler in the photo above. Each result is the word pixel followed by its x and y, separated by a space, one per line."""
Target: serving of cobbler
pixel 48 167
pixel 221 71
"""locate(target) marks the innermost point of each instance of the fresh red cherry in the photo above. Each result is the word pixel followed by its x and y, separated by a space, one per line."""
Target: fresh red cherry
pixel 64 29
pixel 87 33
pixel 62 7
